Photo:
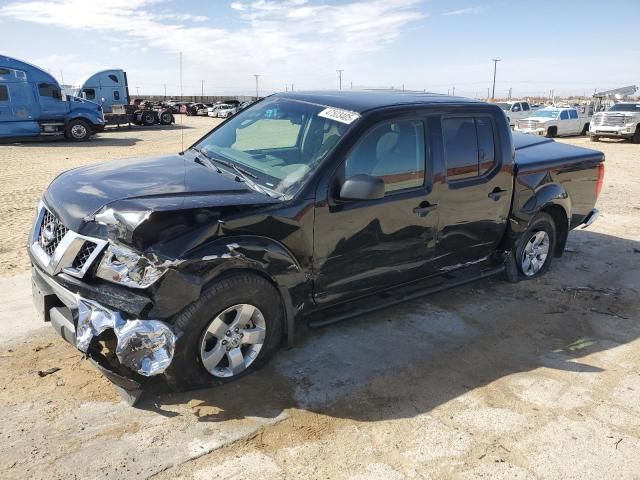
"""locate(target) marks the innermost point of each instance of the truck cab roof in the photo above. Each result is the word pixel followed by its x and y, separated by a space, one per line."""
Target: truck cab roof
pixel 361 101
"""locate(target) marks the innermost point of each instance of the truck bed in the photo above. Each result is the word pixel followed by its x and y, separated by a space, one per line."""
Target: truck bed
pixel 550 172
pixel 534 153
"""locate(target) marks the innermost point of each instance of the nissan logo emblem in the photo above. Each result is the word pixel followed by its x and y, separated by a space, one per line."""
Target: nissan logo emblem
pixel 49 232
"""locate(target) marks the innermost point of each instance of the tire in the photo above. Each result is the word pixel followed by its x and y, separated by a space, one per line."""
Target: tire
pixel 187 370
pixel 166 118
pixel 78 131
pixel 541 226
pixel 636 136
pixel 148 118
pixel 594 138
pixel 552 132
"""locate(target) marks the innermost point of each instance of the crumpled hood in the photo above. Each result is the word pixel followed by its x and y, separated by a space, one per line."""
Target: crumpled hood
pixel 159 183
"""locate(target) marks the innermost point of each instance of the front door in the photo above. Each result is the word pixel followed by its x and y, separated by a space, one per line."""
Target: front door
pixel 368 245
pixel 474 206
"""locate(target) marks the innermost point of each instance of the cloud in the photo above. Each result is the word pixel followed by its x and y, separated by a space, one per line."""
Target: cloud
pixel 287 38
pixel 464 11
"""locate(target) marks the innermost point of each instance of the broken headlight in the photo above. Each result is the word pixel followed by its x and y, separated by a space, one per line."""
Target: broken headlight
pixel 124 266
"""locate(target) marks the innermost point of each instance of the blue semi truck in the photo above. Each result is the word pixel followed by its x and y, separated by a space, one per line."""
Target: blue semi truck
pixel 110 89
pixel 33 105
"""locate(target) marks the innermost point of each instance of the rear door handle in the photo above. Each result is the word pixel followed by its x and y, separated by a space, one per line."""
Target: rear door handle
pixel 496 193
pixel 422 210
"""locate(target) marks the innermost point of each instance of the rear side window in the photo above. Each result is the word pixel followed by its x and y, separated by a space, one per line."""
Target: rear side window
pixel 573 114
pixel 393 151
pixel 49 90
pixel 4 94
pixel 564 115
pixel 113 78
pixel 469 146
pixel 461 144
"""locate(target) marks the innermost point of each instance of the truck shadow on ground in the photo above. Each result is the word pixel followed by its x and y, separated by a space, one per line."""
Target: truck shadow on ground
pixel 409 359
pixel 144 128
pixel 99 141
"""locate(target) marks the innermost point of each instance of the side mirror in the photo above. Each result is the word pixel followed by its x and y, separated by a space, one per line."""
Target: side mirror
pixel 362 187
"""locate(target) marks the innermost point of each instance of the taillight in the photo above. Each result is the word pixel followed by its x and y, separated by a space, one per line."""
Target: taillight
pixel 600 179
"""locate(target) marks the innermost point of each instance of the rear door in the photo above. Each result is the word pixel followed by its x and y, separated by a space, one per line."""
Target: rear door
pixel 474 205
pixel 364 246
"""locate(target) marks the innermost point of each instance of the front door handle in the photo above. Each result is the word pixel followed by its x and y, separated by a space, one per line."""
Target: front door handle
pixel 424 209
pixel 496 193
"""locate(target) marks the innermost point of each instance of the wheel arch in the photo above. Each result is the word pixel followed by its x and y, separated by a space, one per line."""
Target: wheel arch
pixel 264 257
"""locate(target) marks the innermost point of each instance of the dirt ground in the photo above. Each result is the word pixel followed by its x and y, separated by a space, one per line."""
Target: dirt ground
pixel 492 380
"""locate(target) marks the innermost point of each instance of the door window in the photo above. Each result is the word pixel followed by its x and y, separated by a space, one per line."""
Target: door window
pixel 564 115
pixel 4 94
pixel 461 145
pixel 573 114
pixel 49 90
pixel 89 93
pixel 469 147
pixel 516 107
pixel 393 151
pixel 525 106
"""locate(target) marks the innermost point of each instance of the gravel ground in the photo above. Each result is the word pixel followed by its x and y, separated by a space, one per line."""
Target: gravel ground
pixel 492 380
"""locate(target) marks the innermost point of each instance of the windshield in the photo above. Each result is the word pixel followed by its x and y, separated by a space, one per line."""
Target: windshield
pixel 625 107
pixel 504 106
pixel 279 141
pixel 547 113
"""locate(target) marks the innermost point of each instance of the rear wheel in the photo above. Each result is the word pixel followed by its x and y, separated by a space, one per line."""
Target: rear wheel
pixel 78 131
pixel 166 118
pixel 148 118
pixel 233 329
pixel 534 251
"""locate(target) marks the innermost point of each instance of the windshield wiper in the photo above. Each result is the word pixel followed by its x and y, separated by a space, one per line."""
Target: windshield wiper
pixel 245 176
pixel 209 162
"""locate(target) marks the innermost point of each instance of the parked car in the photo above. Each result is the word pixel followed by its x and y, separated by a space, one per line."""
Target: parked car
pixel 197 266
pixel 227 111
pixel 555 122
pixel 34 105
pixel 621 120
pixel 213 111
pixel 515 110
pixel 197 109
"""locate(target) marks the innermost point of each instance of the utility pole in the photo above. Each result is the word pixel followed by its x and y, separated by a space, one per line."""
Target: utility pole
pixel 510 93
pixel 137 91
pixel 340 77
pixel 292 85
pixel 495 67
pixel 62 76
pixel 202 90
pixel 487 93
pixel 351 85
pixel 257 90
pixel 453 91
pixel 165 91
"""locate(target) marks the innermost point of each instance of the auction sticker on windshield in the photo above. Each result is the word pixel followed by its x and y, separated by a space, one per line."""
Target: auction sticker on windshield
pixel 339 115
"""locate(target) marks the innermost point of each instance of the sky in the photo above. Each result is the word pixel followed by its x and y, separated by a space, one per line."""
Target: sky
pixel 570 46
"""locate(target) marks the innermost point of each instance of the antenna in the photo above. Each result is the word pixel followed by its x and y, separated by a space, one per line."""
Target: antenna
pixel 181 119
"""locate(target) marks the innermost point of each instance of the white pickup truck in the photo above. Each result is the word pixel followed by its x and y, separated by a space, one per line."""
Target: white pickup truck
pixel 516 110
pixel 555 122
pixel 621 120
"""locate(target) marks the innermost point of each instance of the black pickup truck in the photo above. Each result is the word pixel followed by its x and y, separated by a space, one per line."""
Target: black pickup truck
pixel 315 206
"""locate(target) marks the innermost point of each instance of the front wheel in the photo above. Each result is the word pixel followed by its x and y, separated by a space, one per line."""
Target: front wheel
pixel 552 132
pixel 77 131
pixel 233 329
pixel 594 138
pixel 636 136
pixel 166 118
pixel 148 118
pixel 534 250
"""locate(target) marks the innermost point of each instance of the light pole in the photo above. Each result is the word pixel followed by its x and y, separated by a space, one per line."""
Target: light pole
pixel 137 91
pixel 202 90
pixel 495 67
pixel 340 78
pixel 257 91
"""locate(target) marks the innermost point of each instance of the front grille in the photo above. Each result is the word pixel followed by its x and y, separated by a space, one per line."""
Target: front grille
pixel 604 120
pixel 51 232
pixel 528 124
pixel 83 255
